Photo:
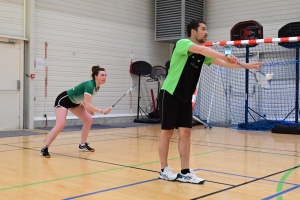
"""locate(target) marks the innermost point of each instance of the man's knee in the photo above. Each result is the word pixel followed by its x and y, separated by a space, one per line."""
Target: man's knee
pixel 167 133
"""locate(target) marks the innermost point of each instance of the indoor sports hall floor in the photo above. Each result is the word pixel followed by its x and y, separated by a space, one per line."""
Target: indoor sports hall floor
pixel 238 165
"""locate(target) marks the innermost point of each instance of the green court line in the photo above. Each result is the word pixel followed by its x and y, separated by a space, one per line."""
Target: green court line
pixel 101 171
pixel 59 179
pixel 176 158
pixel 283 178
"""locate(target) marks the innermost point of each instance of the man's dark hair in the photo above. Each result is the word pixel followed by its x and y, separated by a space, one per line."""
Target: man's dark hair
pixel 194 24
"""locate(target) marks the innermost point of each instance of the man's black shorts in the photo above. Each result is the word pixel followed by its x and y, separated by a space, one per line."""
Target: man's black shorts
pixel 174 112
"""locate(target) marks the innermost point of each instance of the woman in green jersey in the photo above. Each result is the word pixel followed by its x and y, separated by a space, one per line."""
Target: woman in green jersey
pixel 79 101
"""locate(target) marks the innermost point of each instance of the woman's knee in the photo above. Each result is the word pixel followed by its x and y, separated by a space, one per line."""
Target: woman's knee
pixel 88 120
pixel 60 125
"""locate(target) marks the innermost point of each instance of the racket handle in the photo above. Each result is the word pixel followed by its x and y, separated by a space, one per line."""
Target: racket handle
pixel 109 108
pixel 230 57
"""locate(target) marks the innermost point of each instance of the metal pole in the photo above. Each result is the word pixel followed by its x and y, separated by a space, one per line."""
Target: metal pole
pixel 297 86
pixel 247 86
pixel 138 107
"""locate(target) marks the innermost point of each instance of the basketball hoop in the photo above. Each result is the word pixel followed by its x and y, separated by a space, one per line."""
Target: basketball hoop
pixel 161 78
pixel 246 30
pixel 158 73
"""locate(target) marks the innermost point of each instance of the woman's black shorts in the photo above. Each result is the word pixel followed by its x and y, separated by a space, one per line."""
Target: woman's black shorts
pixel 63 101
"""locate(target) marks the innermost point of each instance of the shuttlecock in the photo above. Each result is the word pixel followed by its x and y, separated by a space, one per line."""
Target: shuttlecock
pixel 269 76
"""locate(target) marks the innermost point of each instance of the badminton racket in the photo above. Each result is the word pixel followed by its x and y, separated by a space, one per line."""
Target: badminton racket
pixel 264 81
pixel 206 125
pixel 123 96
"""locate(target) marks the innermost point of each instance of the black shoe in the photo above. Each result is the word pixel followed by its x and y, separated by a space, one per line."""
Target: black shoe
pixel 44 152
pixel 85 147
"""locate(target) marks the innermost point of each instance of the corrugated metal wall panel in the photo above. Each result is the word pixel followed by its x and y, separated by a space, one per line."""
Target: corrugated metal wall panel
pixel 221 16
pixel 168 20
pixel 12 18
pixel 87 33
pixel 193 9
pixel 172 16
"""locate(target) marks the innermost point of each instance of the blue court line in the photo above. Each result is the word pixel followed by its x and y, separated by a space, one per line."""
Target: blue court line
pixel 252 177
pixel 281 193
pixel 146 181
pixel 109 189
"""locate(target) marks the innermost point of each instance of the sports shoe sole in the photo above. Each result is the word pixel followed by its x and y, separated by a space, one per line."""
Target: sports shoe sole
pixel 201 182
pixel 86 150
pixel 160 177
pixel 44 156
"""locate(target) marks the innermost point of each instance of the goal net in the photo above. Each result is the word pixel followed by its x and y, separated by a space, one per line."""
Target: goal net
pixel 231 97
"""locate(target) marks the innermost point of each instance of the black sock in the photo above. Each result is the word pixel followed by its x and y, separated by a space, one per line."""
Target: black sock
pixel 185 171
pixel 162 170
pixel 45 147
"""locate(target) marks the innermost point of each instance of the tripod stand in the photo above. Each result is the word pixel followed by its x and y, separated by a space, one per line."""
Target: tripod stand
pixel 158 73
pixel 142 68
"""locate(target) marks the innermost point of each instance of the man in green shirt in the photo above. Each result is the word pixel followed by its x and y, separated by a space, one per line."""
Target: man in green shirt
pixel 175 98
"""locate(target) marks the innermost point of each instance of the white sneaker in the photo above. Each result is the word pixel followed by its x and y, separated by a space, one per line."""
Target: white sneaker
pixel 190 178
pixel 167 174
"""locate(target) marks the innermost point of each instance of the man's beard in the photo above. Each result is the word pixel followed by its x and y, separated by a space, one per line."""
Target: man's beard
pixel 201 41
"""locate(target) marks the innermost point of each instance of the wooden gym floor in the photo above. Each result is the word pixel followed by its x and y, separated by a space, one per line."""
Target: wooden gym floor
pixel 238 165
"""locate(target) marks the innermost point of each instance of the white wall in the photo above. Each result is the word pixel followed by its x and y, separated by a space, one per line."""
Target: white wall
pixel 221 16
pixel 86 33
pixel 12 36
pixel 81 34
pixel 11 18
